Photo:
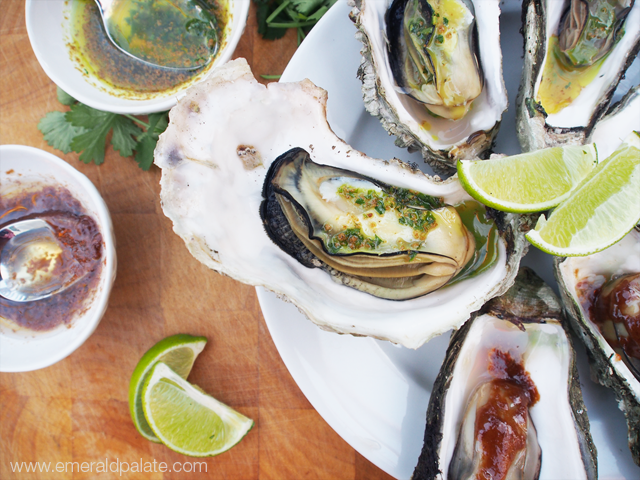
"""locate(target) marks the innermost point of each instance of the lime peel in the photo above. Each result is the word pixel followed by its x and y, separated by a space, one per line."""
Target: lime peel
pixel 180 352
pixel 186 419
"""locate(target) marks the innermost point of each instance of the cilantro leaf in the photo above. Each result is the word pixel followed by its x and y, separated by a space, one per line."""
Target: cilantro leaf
pixel 91 144
pixel 57 131
pixel 305 7
pixel 64 98
pixel 123 132
pixel 147 141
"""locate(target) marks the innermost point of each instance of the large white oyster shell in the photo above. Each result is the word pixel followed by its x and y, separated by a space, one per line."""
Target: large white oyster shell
pixel 213 194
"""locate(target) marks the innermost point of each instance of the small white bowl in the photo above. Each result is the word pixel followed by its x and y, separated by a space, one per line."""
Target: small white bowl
pixel 23 350
pixel 48 29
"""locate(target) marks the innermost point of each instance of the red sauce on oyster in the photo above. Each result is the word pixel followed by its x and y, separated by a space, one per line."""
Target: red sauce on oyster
pixel 501 423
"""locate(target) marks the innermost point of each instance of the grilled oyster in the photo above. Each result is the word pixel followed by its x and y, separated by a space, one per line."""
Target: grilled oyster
pixel 576 52
pixel 215 155
pixel 432 72
pixel 391 242
pixel 507 401
pixel 605 324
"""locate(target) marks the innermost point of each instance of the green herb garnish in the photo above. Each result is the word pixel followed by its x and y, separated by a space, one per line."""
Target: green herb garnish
pixel 84 130
pixel 276 16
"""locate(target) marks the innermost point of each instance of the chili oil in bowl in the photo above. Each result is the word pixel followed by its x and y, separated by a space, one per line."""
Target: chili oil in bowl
pixel 36 184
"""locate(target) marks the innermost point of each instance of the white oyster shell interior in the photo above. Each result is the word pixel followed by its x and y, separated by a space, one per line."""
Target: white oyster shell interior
pixel 579 113
pixel 546 354
pixel 486 110
pixel 213 198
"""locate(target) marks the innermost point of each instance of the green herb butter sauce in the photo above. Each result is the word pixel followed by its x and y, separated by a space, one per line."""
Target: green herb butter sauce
pixel 105 66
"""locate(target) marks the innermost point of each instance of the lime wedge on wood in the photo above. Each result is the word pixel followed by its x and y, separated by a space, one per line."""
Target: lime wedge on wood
pixel 529 182
pixel 600 211
pixel 179 352
pixel 186 419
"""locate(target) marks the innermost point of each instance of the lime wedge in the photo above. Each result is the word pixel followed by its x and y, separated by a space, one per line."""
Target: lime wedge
pixel 529 182
pixel 179 352
pixel 186 419
pixel 600 211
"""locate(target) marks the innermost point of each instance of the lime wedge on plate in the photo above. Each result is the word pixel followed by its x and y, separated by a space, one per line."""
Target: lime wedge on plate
pixel 600 211
pixel 186 419
pixel 179 352
pixel 529 182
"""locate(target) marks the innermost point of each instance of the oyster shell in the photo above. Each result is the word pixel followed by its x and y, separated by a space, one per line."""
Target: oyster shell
pixel 473 71
pixel 621 119
pixel 580 279
pixel 215 154
pixel 523 329
pixel 571 69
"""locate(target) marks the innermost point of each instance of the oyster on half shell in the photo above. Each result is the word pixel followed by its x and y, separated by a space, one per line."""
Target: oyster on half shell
pixel 586 284
pixel 576 52
pixel 432 72
pixel 221 141
pixel 507 401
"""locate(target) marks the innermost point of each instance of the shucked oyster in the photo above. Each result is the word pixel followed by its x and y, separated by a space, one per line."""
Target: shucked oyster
pixel 215 155
pixel 387 241
pixel 576 52
pixel 601 294
pixel 432 73
pixel 507 401
pixel 433 54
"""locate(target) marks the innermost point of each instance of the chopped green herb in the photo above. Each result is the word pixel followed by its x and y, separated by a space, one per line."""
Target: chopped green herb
pixel 445 20
pixel 439 39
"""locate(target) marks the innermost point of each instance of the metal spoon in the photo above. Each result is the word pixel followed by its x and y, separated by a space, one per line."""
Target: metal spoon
pixel 173 34
pixel 28 256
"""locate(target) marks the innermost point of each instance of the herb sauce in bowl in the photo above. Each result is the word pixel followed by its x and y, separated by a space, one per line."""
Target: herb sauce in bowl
pixel 120 74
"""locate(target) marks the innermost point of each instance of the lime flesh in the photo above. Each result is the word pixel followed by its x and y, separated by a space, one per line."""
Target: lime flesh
pixel 601 210
pixel 186 419
pixel 529 182
pixel 179 352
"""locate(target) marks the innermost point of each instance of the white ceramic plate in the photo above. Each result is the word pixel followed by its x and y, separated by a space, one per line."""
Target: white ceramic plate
pixel 23 350
pixel 372 393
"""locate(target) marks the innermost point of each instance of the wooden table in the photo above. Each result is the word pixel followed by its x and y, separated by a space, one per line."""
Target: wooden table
pixel 77 409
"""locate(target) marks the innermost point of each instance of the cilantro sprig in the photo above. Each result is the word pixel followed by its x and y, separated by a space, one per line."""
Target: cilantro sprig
pixel 85 130
pixel 276 16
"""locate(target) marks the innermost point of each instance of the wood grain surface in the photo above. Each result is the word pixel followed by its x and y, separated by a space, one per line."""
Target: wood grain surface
pixel 77 409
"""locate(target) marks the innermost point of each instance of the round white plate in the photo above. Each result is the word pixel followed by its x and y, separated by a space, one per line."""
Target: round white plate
pixel 373 393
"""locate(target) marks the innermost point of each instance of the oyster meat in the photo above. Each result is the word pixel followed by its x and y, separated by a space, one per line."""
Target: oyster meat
pixel 390 242
pixel 223 138
pixel 432 72
pixel 601 295
pixel 507 401
pixel 576 52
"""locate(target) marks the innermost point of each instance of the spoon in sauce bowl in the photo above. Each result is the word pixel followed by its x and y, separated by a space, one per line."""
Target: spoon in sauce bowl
pixel 174 34
pixel 33 263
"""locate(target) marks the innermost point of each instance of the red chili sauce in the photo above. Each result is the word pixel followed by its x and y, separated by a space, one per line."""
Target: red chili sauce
pixel 501 423
pixel 81 242
pixel 616 302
